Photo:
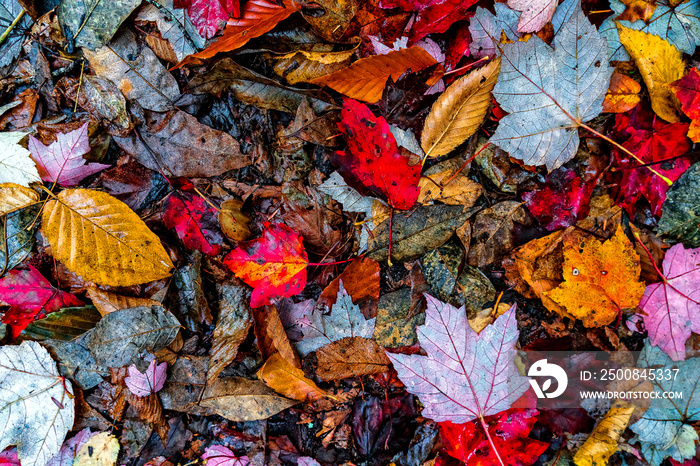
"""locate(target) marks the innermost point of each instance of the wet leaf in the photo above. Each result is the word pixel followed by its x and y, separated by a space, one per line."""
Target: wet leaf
pixel 446 183
pixel 306 66
pixel 17 231
pixel 235 223
pixel 623 94
pixel 101 449
pixel 195 220
pixel 534 13
pixel 681 209
pixel 15 162
pixel 92 24
pixel 14 197
pixel 107 302
pixel 129 252
pixel 66 324
pixel 350 357
pixel 219 455
pixel 181 34
pixel 287 380
pixel 602 442
pixel 396 320
pixel 145 383
pixel 29 381
pixel 494 231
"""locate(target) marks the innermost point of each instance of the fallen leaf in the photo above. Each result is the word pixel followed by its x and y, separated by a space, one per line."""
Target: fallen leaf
pixel 374 158
pixel 274 265
pixel 62 162
pixel 687 91
pixel 493 231
pixel 30 419
pixel 101 449
pixel 486 30
pixel 365 79
pixel 351 200
pixel 681 209
pixel 546 109
pixel 600 279
pixel 194 220
pixel 146 383
pixel 234 222
pixel 671 311
pixel 438 16
pixel 623 94
pixel 14 197
pixel 107 302
pixel 287 380
pixel 257 17
pixel 208 16
pixel 186 295
pixel 218 455
pixel 232 327
pixel 534 13
pixel 12 47
pixel 182 35
pixel 334 19
pixel 360 279
pixel 133 184
pixel 636 10
pixel 16 164
pixel 350 357
pixel 473 376
pixel 104 101
pixel 92 24
pixel 303 66
pixel 66 454
pixel 129 253
pixel 65 324
pixel 176 144
pixel 445 182
pixel 459 111
pixel 660 64
pixel 397 320
pixel 602 442
pixel 17 234
pixel 29 294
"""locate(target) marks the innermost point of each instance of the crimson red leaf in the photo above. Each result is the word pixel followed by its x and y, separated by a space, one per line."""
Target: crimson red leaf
pixel 664 147
pixel 374 158
pixel 274 265
pixel 562 201
pixel 208 16
pixel 195 221
pixel 439 16
pixel 29 294
pixel 687 90
pixel 509 432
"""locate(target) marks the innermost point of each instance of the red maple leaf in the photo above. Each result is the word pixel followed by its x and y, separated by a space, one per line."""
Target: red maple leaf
pixel 195 221
pixel 374 158
pixel 687 89
pixel 274 265
pixel 432 16
pixel 30 296
pixel 509 432
pixel 209 16
pixel 562 201
pixel 660 145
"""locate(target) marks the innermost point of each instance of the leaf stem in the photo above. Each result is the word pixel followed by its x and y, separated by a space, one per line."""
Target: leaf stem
pixel 651 258
pixel 318 264
pixel 469 160
pixel 488 436
pixel 9 29
pixel 623 149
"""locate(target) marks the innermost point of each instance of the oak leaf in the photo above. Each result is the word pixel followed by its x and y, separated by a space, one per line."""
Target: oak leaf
pixel 660 64
pixel 289 381
pixel 545 109
pixel 257 17
pixel 687 91
pixel 274 265
pixel 374 158
pixel 623 94
pixel 62 162
pixel 102 240
pixel 459 111
pixel 600 279
pixel 465 375
pixel 366 78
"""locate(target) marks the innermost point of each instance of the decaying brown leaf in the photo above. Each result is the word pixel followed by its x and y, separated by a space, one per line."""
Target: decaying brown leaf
pixel 350 357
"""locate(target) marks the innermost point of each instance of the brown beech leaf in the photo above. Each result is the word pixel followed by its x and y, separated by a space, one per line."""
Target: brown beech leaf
pixel 106 301
pixel 176 144
pixel 459 111
pixel 365 79
pixel 271 336
pixel 361 279
pixel 350 357
pixel 289 381
pixel 446 183
pixel 494 231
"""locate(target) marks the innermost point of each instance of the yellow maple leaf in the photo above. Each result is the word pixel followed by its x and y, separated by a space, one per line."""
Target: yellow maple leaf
pixel 600 279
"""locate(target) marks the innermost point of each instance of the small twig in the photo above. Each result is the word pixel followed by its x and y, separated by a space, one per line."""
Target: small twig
pixel 12 25
pixel 80 85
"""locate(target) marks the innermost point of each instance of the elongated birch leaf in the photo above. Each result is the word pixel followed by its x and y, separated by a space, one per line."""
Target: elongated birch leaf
pixel 101 239
pixel 459 111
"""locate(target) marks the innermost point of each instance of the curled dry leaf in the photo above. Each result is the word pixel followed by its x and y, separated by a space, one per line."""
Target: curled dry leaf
pixel 115 248
pixel 459 111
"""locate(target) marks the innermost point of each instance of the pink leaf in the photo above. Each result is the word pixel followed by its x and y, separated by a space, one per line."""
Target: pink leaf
pixel 465 375
pixel 149 382
pixel 28 293
pixel 62 161
pixel 9 457
pixel 208 16
pixel 219 455
pixel 70 448
pixel 307 461
pixel 535 13
pixel 672 307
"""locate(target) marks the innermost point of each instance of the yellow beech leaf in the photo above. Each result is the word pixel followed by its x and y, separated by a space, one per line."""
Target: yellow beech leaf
pixel 459 111
pixel 602 442
pixel 305 66
pixel 101 239
pixel 14 197
pixel 107 302
pixel 101 450
pixel 287 380
pixel 443 182
pixel 623 94
pixel 659 63
pixel 600 279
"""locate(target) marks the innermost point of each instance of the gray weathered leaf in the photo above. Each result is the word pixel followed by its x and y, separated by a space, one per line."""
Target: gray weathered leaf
pixel 120 336
pixel 494 231
pixel 76 363
pixel 180 33
pixel 12 46
pixel 681 209
pixel 394 327
pixel 36 411
pixel 352 201
pixel 345 320
pixel 550 93
pixel 485 28
pixel 187 299
pixel 92 23
pixel 679 25
pixel 17 237
pixel 136 71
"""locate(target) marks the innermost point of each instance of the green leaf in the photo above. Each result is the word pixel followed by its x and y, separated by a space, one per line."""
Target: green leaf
pixel 66 324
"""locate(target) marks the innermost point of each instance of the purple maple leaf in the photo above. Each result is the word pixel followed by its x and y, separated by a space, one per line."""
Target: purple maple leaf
pixel 219 455
pixel 149 382
pixel 62 161
pixel 672 307
pixel 70 448
pixel 465 375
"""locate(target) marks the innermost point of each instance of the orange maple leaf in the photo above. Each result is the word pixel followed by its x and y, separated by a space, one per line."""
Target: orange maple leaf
pixel 600 279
